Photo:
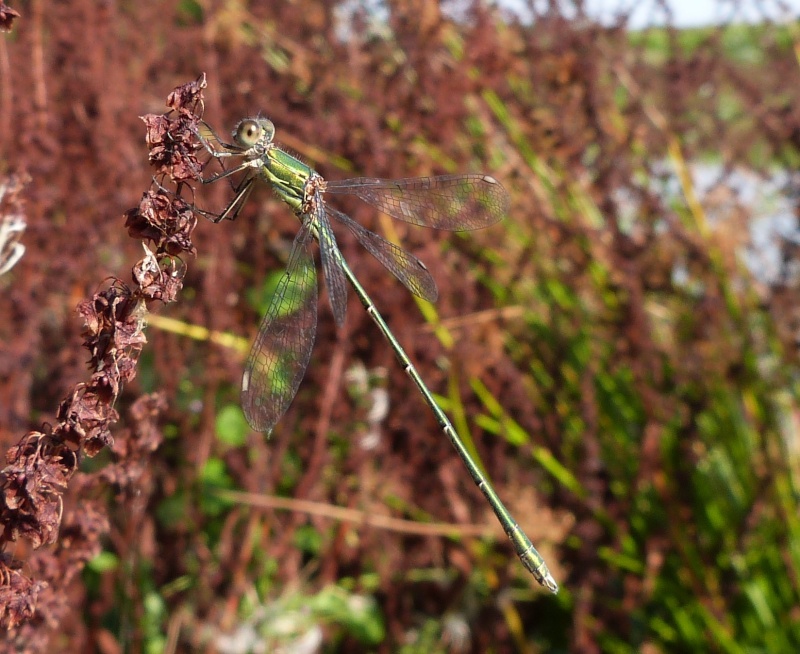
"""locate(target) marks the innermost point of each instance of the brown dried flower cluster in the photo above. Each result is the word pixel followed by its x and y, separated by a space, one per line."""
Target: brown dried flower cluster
pixel 39 469
pixel 7 17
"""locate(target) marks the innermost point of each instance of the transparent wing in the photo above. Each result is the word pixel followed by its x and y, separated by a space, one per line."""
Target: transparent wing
pixel 454 202
pixel 403 265
pixel 282 349
pixel 331 266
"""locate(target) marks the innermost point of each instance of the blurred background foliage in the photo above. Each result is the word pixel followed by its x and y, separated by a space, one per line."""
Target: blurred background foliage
pixel 620 352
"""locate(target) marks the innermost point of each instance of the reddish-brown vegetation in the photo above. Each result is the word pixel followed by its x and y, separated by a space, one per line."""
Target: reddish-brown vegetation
pixel 611 368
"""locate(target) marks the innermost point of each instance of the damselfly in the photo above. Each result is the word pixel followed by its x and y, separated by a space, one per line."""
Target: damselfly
pixel 281 351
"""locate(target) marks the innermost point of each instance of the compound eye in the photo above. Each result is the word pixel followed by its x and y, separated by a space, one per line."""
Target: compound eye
pixel 268 129
pixel 248 133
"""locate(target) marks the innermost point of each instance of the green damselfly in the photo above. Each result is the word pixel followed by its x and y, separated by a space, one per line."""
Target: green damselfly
pixel 281 351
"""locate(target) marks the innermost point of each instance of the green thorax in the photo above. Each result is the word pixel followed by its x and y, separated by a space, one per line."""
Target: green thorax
pixel 287 175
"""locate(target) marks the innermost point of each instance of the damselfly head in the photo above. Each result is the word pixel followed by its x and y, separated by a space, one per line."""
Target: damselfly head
pixel 252 131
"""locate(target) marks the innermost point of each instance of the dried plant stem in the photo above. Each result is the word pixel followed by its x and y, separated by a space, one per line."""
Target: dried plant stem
pixel 40 467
